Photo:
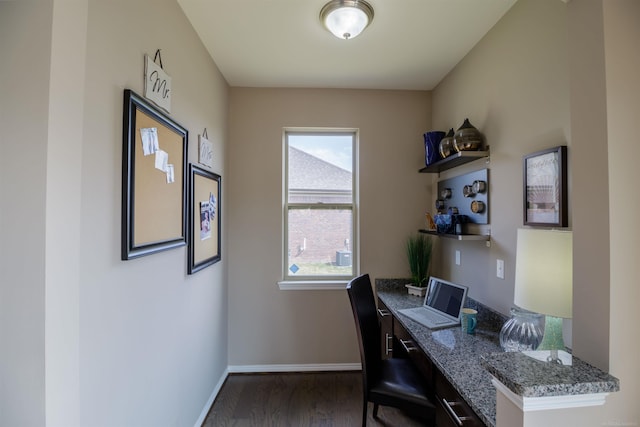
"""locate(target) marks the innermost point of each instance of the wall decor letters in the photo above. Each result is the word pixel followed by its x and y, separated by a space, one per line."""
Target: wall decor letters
pixel 157 83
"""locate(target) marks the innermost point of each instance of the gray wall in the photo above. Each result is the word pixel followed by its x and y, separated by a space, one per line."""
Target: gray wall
pixel 24 27
pixel 622 64
pixel 572 83
pixel 268 326
pixel 80 328
pixel 514 87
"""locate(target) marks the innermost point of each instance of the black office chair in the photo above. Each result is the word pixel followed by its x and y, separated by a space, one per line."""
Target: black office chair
pixel 388 382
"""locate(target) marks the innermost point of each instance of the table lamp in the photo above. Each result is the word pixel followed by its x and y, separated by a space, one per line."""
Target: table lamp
pixel 544 281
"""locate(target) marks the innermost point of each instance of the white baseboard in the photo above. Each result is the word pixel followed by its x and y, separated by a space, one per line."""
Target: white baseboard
pixel 236 369
pixel 214 394
pixel 245 369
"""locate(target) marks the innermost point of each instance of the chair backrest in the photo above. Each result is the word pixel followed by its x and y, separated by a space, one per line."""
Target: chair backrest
pixel 363 305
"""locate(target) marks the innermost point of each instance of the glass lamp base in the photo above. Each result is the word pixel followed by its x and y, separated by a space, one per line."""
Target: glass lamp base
pixel 522 332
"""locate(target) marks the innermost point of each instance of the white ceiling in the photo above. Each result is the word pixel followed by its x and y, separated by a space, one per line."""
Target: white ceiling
pixel 411 44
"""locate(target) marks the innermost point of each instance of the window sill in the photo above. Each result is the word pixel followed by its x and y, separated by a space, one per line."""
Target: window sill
pixel 313 285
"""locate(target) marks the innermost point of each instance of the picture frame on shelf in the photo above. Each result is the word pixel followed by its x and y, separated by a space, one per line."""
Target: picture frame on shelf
pixel 545 188
pixel 154 180
pixel 204 218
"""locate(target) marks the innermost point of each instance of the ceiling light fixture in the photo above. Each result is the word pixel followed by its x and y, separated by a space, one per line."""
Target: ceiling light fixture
pixel 346 18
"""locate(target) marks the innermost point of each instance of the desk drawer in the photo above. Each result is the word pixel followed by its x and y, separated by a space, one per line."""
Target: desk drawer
pixel 386 330
pixel 406 345
pixel 451 409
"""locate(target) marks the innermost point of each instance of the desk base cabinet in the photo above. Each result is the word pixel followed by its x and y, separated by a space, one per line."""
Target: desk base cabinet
pixel 408 347
pixel 451 409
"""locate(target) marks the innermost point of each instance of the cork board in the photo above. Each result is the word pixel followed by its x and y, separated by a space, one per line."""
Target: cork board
pixel 204 218
pixel 153 180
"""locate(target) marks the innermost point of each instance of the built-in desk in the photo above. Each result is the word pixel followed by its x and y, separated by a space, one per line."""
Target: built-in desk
pixel 456 355
pixel 475 365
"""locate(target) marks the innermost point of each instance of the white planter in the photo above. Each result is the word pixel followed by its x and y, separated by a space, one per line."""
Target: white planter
pixel 416 290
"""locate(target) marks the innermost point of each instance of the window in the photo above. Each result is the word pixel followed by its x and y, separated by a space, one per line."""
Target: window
pixel 320 216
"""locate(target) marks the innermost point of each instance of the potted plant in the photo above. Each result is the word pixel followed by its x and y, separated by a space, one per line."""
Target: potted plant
pixel 419 256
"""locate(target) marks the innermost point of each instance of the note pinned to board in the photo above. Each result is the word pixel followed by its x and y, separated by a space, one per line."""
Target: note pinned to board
pixel 171 178
pixel 149 137
pixel 162 160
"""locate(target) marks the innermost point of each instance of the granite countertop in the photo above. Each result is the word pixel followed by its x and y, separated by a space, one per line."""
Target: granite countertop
pixel 529 377
pixel 455 353
pixel 470 361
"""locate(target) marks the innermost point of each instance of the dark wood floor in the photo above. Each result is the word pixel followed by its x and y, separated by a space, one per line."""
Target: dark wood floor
pixel 327 399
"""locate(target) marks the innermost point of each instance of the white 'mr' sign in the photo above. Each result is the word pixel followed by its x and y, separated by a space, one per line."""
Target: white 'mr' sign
pixel 157 84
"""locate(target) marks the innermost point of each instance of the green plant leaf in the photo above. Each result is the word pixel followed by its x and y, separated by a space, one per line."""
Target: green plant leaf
pixel 419 256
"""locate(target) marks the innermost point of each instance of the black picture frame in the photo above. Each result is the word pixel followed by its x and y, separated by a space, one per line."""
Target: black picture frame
pixel 154 210
pixel 545 188
pixel 205 187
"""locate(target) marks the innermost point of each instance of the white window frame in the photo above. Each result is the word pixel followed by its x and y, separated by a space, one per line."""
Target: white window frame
pixel 320 282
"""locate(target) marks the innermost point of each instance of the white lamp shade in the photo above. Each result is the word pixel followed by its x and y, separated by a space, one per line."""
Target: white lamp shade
pixel 544 272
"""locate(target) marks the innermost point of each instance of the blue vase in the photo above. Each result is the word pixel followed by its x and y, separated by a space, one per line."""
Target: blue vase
pixel 431 146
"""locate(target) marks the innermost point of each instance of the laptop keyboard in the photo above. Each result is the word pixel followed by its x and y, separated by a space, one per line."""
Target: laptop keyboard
pixel 429 317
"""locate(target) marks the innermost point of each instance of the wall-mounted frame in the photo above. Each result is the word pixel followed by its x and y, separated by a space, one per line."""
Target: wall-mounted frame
pixel 154 181
pixel 545 187
pixel 204 218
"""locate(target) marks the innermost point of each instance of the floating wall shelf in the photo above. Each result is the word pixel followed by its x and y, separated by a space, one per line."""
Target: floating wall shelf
pixel 456 159
pixel 461 237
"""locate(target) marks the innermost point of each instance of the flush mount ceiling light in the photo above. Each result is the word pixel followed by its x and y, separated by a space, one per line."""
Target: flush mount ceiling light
pixel 346 18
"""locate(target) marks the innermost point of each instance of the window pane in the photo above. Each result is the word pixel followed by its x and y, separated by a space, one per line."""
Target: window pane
pixel 320 168
pixel 320 242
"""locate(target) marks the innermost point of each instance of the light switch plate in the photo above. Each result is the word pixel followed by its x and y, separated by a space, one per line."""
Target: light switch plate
pixel 500 269
pixel 457 257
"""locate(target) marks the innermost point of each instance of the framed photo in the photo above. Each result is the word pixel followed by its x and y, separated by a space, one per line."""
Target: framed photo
pixel 204 218
pixel 545 187
pixel 154 180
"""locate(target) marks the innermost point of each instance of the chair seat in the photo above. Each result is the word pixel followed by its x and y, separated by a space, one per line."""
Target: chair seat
pixel 399 383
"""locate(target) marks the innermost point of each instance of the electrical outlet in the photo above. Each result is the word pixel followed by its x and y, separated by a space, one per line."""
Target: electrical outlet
pixel 500 269
pixel 457 257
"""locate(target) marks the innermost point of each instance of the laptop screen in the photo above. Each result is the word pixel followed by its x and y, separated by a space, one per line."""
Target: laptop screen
pixel 445 296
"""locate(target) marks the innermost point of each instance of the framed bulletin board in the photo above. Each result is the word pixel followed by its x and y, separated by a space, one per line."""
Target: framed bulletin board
pixel 545 187
pixel 204 218
pixel 154 162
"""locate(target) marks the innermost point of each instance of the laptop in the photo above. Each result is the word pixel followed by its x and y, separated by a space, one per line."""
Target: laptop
pixel 442 305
